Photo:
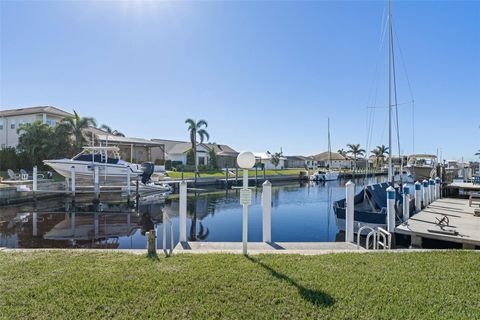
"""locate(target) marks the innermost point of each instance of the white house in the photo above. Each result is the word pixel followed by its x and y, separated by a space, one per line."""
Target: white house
pixel 266 160
pixel 334 160
pixel 12 119
pixel 177 151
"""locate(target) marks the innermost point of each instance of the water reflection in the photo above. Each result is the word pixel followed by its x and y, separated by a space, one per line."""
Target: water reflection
pixel 300 212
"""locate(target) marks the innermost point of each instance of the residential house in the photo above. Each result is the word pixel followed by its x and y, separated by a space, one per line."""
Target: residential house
pixel 300 162
pixel 265 160
pixel 135 150
pixel 176 151
pixel 12 119
pixel 226 156
pixel 333 160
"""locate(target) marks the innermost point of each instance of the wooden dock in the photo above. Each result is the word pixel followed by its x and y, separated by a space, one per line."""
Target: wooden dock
pixel 463 226
pixel 307 248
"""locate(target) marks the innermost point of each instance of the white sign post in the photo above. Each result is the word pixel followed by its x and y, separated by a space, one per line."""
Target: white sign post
pixel 245 160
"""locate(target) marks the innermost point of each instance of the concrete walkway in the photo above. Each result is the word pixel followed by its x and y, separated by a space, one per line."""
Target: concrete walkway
pixel 267 247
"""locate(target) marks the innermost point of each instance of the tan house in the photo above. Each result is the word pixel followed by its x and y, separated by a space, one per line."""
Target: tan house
pixel 333 160
pixel 12 119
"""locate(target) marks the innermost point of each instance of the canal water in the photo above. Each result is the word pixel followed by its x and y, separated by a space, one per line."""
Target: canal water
pixel 300 212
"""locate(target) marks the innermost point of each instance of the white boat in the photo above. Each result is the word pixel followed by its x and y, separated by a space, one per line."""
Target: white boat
pixel 328 175
pixel 324 176
pixel 422 166
pixel 107 159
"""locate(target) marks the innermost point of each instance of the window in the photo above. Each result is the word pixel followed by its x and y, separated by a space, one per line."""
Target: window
pixel 12 125
pixel 1 126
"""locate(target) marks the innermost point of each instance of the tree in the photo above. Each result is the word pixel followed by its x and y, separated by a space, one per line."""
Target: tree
pixel 39 141
pixel 379 153
pixel 76 126
pixel 213 158
pixel 342 152
pixel 355 151
pixel 197 128
pixel 109 130
pixel 35 141
pixel 275 158
pixel 478 153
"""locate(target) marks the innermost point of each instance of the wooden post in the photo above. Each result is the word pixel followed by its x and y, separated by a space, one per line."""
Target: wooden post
pixel 151 242
pixel 183 212
pixel 256 175
pixel 226 177
pixel 349 212
pixel 267 211
pixel 129 182
pixel 438 182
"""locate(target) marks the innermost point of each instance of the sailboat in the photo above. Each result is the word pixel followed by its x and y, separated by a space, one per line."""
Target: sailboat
pixel 371 203
pixel 328 175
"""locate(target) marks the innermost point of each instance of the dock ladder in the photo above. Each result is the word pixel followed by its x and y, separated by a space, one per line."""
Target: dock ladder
pixel 382 239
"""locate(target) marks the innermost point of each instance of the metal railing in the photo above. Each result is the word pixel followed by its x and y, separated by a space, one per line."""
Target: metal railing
pixel 382 239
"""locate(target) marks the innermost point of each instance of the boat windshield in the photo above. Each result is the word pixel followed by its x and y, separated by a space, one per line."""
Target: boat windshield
pixel 100 155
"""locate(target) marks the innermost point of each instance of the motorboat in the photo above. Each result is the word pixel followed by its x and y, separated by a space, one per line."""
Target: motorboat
pixel 110 166
pixel 324 176
pixel 422 166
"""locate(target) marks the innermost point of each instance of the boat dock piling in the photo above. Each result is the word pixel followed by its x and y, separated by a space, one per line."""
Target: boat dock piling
pixel 406 202
pixel 267 211
pixel 349 213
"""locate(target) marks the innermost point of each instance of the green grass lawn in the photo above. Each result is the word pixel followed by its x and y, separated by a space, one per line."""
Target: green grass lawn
pixel 91 285
pixel 221 173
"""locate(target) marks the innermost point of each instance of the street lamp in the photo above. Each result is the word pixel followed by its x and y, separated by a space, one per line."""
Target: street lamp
pixel 245 160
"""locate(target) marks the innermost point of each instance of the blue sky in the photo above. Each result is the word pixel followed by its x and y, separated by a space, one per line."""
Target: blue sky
pixel 264 75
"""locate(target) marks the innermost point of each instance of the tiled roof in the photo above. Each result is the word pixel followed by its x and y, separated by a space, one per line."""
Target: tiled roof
pixel 34 110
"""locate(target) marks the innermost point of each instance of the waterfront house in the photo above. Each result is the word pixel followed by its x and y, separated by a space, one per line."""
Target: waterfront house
pixel 265 160
pixel 12 119
pixel 333 160
pixel 135 150
pixel 226 156
pixel 300 162
pixel 177 151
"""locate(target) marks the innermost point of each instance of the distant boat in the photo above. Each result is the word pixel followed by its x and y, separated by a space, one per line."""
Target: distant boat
pixel 111 168
pixel 328 175
pixel 421 166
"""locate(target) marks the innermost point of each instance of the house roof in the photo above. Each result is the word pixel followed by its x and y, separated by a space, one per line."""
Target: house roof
pixel 127 140
pixel 222 149
pixel 325 156
pixel 265 156
pixel 301 158
pixel 177 147
pixel 33 110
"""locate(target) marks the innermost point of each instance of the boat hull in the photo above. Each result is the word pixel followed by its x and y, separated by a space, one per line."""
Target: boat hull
pixel 84 172
pixel 420 173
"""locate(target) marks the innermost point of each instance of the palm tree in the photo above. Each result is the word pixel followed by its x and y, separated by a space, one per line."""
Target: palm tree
pixel 76 126
pixel 342 152
pixel 109 130
pixel 478 153
pixel 197 128
pixel 35 140
pixel 379 153
pixel 355 150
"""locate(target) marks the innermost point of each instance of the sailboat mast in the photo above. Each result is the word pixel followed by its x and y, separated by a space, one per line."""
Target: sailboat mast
pixel 329 147
pixel 390 168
